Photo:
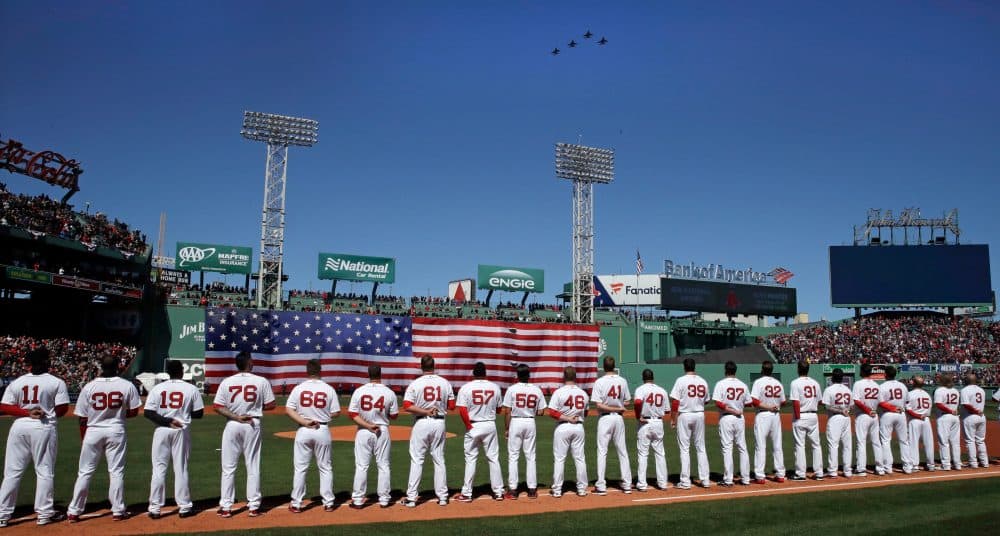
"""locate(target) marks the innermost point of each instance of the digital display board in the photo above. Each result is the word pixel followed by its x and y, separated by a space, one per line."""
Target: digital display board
pixel 732 298
pixel 870 276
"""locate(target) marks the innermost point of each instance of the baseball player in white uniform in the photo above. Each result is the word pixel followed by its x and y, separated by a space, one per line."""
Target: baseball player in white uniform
pixel 652 406
pixel 768 396
pixel 102 407
pixel 242 399
pixel 687 401
pixel 568 405
pixel 731 396
pixel 806 394
pixel 866 399
pixel 372 406
pixel 946 400
pixel 611 394
pixel 477 405
pixel 892 406
pixel 428 398
pixel 521 403
pixel 171 405
pixel 838 401
pixel 973 401
pixel 35 400
pixel 918 409
pixel 312 404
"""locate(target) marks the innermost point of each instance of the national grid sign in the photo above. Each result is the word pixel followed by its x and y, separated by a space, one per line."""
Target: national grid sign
pixel 194 257
pixel 511 279
pixel 357 268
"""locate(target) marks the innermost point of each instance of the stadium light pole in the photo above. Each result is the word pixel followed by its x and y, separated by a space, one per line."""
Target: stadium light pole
pixel 585 166
pixel 278 132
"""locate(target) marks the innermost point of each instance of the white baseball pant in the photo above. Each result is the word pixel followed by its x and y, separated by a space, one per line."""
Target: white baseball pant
pixel 767 424
pixel 483 434
pixel 974 427
pixel 170 444
pixel 807 427
pixel 921 432
pixel 611 428
pixel 732 431
pixel 112 443
pixel 521 436
pixel 568 438
pixel 240 438
pixel 950 444
pixel 366 446
pixel 29 440
pixel 866 429
pixel 691 427
pixel 311 443
pixel 650 437
pixel 838 435
pixel 427 437
pixel 889 423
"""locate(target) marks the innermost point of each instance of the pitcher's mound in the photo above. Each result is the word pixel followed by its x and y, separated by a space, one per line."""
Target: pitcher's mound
pixel 346 433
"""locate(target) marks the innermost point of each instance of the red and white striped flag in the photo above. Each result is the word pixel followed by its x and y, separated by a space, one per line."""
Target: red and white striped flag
pixel 638 263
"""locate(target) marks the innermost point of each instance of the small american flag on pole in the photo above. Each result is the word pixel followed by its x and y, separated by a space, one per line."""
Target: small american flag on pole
pixel 638 262
pixel 781 275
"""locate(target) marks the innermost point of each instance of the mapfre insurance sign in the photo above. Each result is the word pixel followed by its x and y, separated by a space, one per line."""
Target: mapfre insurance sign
pixel 626 290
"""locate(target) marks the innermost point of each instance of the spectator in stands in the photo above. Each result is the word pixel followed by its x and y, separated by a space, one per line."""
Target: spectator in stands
pixel 76 362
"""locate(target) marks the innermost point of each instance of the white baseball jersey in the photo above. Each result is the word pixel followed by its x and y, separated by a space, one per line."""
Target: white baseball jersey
pixel 691 391
pixel 481 398
pixel 808 393
pixel 42 391
pixel 430 391
pixel 611 390
pixel 894 392
pixel 919 402
pixel 996 395
pixel 867 392
pixel 244 394
pixel 768 391
pixel 946 396
pixel 971 395
pixel 375 403
pixel 524 400
pixel 175 399
pixel 314 400
pixel 570 401
pixel 104 402
pixel 838 397
pixel 654 400
pixel 733 393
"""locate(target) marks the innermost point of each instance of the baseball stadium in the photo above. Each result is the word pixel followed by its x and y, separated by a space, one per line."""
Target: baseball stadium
pixel 495 404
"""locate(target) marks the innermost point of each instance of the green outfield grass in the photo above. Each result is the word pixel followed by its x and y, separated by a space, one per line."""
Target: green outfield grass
pixel 276 464
pixel 967 507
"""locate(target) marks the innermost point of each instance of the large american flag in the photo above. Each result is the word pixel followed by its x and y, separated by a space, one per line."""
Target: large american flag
pixel 282 342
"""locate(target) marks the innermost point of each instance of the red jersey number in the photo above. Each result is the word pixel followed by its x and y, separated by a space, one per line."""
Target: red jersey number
pixel 103 401
pixel 249 393
pixel 615 391
pixel 32 399
pixel 368 403
pixel 734 393
pixel 654 399
pixel 870 393
pixel 697 391
pixel 923 403
pixel 896 394
pixel 576 402
pixel 481 398
pixel 809 391
pixel 952 398
pixel 772 391
pixel 313 399
pixel 432 394
pixel 171 400
pixel 842 399
pixel 526 400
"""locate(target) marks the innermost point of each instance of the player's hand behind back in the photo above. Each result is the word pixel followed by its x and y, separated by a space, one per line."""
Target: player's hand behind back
pixel 35 413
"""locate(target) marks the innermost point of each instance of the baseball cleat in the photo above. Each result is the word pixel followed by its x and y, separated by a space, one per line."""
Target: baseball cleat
pixel 383 505
pixel 798 478
pixel 640 490
pixel 294 509
pixel 627 491
pixel 121 517
pixel 498 497
pixel 354 506
pixel 600 491
pixel 3 523
pixel 779 479
pixel 254 512
pixel 760 481
pixel 329 507
pixel 532 493
pixel 72 518
pixel 555 494
pixel 58 516
pixel 154 515
pixel 462 498
pixel 682 486
pixel 226 514
pixel 510 496
pixel 443 502
pixel 705 484
pixel 931 468
pixel 818 477
pixel 408 503
pixel 726 484
pixel 880 473
pixel 745 482
pixel 581 493
pixel 185 513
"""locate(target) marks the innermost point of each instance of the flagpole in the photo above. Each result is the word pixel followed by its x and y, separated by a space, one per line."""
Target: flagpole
pixel 638 261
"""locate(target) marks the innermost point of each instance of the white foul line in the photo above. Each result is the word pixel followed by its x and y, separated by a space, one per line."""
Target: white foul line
pixel 966 473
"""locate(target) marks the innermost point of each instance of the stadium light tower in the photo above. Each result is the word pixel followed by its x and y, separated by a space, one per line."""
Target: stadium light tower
pixel 278 132
pixel 585 166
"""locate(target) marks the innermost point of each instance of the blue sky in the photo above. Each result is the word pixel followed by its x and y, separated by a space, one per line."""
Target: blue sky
pixel 747 134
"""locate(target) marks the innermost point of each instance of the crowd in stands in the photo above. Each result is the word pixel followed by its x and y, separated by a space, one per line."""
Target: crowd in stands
pixel 76 362
pixel 42 215
pixel 892 339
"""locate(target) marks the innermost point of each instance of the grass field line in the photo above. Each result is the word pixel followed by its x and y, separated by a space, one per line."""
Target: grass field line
pixel 855 482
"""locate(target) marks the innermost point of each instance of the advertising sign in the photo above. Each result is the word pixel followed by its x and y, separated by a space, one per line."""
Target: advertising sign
pixel 626 290
pixel 462 290
pixel 356 268
pixel 171 278
pixel 187 332
pixel 511 279
pixel 195 257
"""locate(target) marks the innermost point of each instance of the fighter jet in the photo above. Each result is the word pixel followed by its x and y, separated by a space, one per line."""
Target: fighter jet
pixel 555 51
pixel 603 41
pixel 572 44
pixel 588 35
